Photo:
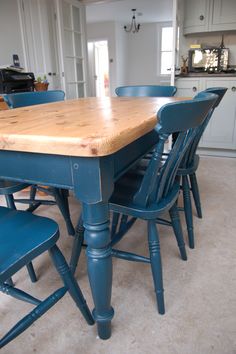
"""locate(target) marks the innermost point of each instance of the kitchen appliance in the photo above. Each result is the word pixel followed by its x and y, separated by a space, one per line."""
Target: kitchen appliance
pixel 210 59
pixel 15 81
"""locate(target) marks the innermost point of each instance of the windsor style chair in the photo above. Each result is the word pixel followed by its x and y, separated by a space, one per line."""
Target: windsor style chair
pixel 37 235
pixel 17 100
pixel 146 91
pixel 189 166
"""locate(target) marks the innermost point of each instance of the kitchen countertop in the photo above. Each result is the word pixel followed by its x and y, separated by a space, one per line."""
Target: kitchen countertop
pixel 205 75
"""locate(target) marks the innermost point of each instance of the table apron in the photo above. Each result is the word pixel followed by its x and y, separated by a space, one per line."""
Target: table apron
pixel 91 178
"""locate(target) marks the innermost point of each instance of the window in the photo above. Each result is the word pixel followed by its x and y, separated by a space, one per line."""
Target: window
pixel 166 50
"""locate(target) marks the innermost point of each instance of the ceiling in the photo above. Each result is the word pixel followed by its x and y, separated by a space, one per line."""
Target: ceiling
pixel 120 10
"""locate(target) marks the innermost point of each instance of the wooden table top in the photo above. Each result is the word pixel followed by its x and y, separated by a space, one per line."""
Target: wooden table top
pixel 3 105
pixel 83 127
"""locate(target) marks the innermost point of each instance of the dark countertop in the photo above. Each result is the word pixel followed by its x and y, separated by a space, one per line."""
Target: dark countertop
pixel 206 75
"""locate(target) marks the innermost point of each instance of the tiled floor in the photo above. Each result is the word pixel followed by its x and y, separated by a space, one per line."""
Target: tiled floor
pixel 200 294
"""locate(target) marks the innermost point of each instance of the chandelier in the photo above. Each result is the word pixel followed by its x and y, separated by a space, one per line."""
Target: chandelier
pixel 134 27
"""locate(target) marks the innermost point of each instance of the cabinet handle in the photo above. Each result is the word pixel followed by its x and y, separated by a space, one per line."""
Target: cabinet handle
pixel 194 89
pixel 233 88
pixel 201 17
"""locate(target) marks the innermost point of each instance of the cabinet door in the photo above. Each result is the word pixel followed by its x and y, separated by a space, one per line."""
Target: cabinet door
pixel 187 87
pixel 221 130
pixel 196 14
pixel 224 15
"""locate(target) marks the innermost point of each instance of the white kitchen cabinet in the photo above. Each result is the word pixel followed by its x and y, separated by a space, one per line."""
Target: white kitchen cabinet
pixel 224 15
pixel 188 87
pixel 196 16
pixel 209 16
pixel 220 133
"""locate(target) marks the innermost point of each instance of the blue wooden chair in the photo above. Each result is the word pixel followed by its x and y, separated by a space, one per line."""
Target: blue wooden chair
pixel 7 188
pixel 37 235
pixel 189 166
pixel 147 193
pixel 150 194
pixel 16 100
pixel 146 91
pixel 22 99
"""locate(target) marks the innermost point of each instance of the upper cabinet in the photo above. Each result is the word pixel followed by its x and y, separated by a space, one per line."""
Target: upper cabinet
pixel 196 16
pixel 209 15
pixel 224 15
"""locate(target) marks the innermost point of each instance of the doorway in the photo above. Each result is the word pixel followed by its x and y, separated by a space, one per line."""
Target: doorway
pixel 98 68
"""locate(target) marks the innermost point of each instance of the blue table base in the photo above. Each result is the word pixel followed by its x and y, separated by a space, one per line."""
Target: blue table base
pixel 92 180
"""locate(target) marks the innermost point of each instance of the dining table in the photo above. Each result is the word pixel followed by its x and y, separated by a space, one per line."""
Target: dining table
pixel 83 145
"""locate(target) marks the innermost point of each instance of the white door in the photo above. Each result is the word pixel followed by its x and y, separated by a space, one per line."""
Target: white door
pixel 73 52
pixel 38 34
pixel 98 62
pixel 51 43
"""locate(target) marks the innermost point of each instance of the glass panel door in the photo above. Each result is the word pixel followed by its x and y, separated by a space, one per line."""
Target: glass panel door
pixel 73 54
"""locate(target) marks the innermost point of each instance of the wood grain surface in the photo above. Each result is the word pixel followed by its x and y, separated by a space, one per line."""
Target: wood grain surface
pixel 83 127
pixel 3 105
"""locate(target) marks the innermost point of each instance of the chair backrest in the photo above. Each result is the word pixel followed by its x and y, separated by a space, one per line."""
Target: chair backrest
pixel 146 91
pixel 182 117
pixel 22 99
pixel 190 153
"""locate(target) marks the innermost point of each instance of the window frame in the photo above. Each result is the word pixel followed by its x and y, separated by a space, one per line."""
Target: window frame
pixel 160 26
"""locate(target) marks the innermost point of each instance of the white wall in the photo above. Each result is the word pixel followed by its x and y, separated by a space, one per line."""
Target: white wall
pixel 134 55
pixel 121 55
pixel 10 33
pixel 142 58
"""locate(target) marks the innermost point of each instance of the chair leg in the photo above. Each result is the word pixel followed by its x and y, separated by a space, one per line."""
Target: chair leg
pixel 70 283
pixel 10 201
pixel 77 245
pixel 33 205
pixel 31 272
pixel 188 210
pixel 29 319
pixel 196 194
pixel 33 191
pixel 10 282
pixel 114 224
pixel 155 258
pixel 176 224
pixel 123 223
pixel 30 268
pixel 63 205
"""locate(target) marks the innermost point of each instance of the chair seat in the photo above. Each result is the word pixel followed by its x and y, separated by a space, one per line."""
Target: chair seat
pixel 11 187
pixel 189 170
pixel 125 189
pixel 34 235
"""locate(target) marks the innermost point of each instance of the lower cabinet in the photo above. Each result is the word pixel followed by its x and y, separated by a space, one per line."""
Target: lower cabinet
pixel 220 133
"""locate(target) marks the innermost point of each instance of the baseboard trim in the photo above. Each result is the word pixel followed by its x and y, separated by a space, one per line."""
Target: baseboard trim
pixel 216 152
